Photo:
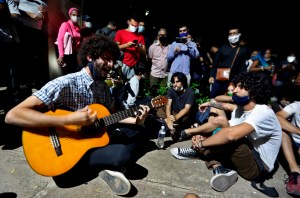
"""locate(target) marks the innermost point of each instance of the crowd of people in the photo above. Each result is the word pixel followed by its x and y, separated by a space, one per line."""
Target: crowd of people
pixel 251 113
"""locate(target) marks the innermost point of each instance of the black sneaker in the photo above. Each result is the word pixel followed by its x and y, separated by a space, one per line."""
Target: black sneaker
pixel 184 153
pixel 116 181
pixel 223 178
pixel 182 136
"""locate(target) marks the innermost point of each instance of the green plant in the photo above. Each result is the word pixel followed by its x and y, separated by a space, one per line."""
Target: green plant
pixel 158 90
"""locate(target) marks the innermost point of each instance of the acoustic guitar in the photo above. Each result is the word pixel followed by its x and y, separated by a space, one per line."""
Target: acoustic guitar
pixel 53 151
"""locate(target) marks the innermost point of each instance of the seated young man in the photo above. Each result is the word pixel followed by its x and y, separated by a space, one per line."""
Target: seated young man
pixel 248 143
pixel 77 91
pixel 181 108
pixel 289 118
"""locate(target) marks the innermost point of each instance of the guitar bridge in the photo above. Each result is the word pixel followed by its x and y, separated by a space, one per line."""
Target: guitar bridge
pixel 55 141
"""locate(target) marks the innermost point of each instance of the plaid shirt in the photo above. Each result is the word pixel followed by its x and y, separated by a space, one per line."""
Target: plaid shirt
pixel 75 91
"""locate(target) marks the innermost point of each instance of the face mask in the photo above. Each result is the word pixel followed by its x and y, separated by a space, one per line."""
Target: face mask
pixel 241 100
pixel 74 19
pixel 162 39
pixel 143 76
pixel 178 89
pixel 183 34
pixel 234 38
pixel 132 28
pixel 93 71
pixel 291 59
pixel 88 24
pixel 141 29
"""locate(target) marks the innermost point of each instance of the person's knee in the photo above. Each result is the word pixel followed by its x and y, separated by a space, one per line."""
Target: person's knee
pixel 122 157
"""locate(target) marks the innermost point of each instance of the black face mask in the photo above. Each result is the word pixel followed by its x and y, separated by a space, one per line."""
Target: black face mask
pixel 163 39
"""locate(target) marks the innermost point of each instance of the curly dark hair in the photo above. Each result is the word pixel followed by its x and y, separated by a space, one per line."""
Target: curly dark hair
pixel 96 46
pixel 259 85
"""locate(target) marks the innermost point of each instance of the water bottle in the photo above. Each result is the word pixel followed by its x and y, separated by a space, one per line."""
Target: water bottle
pixel 161 136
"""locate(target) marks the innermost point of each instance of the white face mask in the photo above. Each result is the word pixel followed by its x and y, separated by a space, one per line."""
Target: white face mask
pixel 291 59
pixel 132 28
pixel 88 24
pixel 74 19
pixel 178 89
pixel 234 38
pixel 141 29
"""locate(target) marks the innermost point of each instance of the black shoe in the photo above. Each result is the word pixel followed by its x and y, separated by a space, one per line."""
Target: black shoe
pixel 182 136
pixel 223 178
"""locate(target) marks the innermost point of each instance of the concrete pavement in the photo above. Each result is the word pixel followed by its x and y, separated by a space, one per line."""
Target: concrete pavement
pixel 156 174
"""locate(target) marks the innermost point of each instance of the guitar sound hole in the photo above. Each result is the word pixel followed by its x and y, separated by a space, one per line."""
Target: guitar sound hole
pixel 97 127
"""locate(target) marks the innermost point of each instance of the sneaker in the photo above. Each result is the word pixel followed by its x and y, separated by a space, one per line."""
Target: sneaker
pixel 293 184
pixel 184 153
pixel 182 136
pixel 223 178
pixel 116 181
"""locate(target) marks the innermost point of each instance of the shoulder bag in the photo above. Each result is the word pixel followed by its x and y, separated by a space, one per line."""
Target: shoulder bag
pixel 223 73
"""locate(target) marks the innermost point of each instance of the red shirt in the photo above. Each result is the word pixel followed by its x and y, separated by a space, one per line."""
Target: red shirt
pixel 131 54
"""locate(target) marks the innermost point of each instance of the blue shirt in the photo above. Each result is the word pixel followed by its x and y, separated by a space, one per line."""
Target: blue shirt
pixel 181 60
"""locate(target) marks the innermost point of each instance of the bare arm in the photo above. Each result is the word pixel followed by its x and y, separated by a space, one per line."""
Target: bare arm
pixel 218 105
pixel 223 98
pixel 27 114
pixel 225 136
pixel 285 124
pixel 254 66
pixel 183 111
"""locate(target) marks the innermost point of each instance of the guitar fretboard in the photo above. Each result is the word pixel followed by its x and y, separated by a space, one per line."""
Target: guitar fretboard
pixel 116 117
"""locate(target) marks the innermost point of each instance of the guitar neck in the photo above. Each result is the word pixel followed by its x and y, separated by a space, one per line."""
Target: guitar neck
pixel 116 117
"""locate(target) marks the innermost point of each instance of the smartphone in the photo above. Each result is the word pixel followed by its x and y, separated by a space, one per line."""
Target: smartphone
pixel 135 41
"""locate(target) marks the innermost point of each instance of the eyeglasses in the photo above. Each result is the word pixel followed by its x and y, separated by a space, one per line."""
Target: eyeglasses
pixel 183 30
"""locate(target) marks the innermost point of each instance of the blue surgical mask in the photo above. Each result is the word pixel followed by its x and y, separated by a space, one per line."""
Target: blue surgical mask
pixel 88 24
pixel 240 100
pixel 141 29
pixel 132 28
pixel 183 34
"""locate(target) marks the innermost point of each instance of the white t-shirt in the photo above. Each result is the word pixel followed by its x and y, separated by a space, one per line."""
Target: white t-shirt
pixel 266 137
pixel 293 109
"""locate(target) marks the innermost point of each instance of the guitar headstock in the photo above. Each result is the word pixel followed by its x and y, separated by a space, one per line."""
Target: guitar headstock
pixel 159 101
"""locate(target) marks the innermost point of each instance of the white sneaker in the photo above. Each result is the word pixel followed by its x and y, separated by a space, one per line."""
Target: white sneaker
pixel 184 153
pixel 116 181
pixel 223 178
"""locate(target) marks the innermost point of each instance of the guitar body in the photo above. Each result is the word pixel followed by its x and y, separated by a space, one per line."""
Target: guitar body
pixel 74 143
pixel 53 151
